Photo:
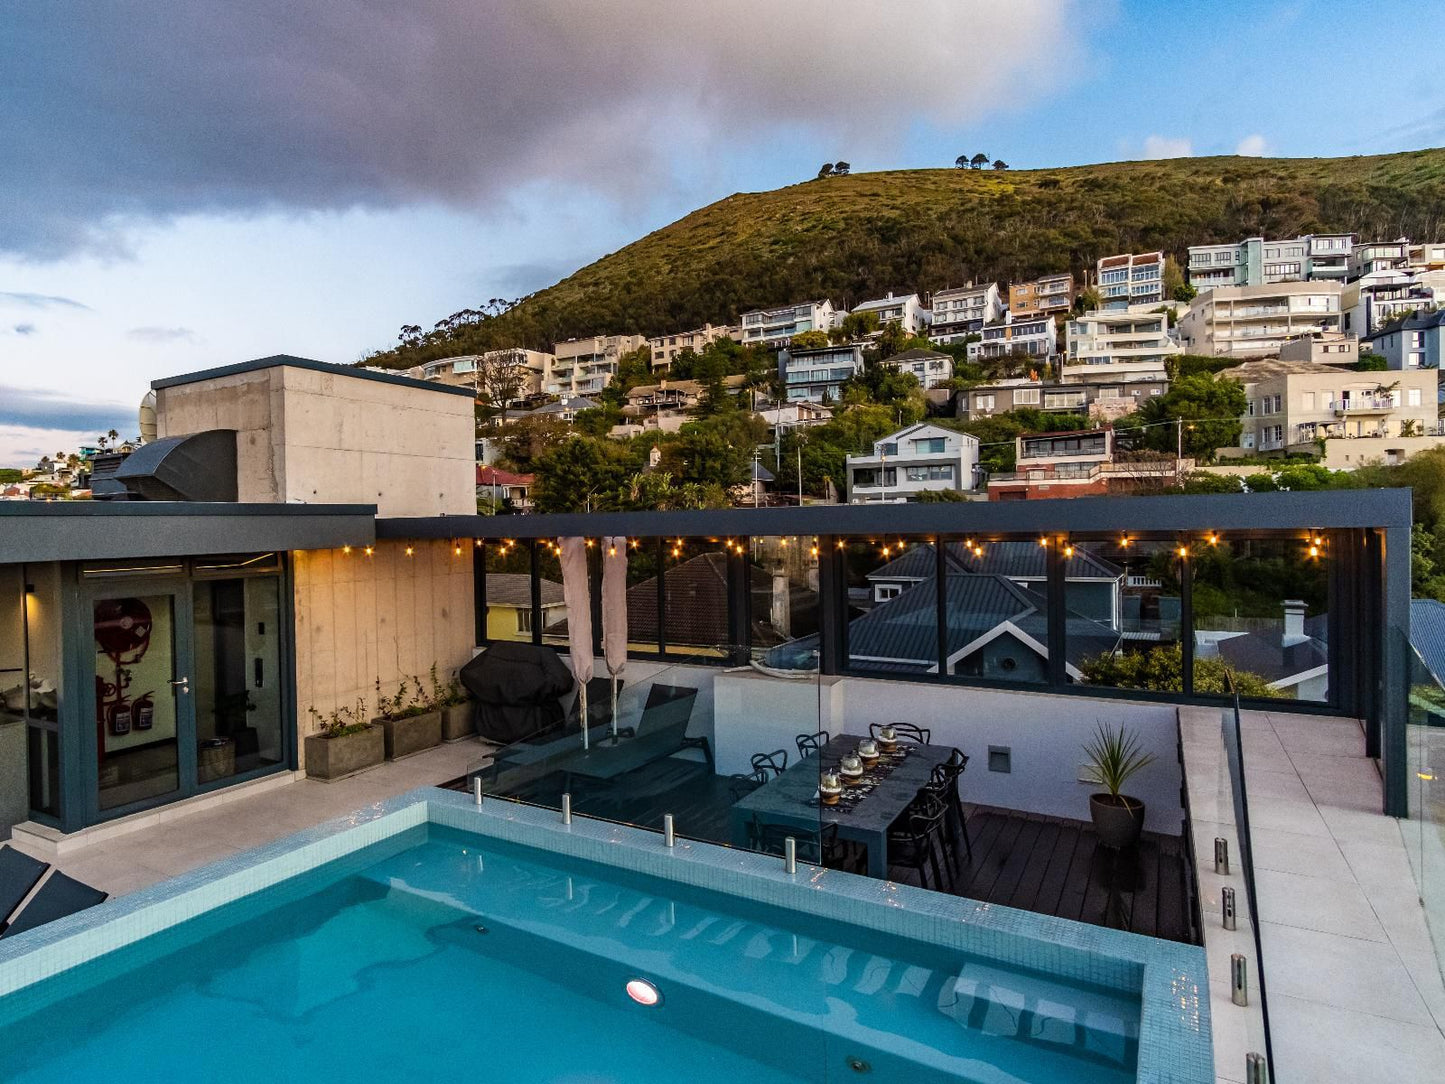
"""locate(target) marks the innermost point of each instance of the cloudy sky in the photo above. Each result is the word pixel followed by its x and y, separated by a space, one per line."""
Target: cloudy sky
pixel 185 184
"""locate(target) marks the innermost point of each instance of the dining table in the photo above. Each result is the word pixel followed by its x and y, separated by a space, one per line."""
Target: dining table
pixel 792 799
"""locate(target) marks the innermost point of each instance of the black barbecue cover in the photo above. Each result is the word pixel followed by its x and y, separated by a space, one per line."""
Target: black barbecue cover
pixel 518 690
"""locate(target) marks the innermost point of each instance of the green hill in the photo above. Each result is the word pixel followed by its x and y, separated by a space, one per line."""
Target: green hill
pixel 855 237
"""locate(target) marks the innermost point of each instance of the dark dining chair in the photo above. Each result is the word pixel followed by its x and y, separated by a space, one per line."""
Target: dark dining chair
pixel 920 735
pixel 744 783
pixel 775 762
pixel 943 784
pixel 808 744
pixel 917 842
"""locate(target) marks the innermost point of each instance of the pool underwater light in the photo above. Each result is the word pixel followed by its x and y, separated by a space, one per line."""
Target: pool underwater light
pixel 643 992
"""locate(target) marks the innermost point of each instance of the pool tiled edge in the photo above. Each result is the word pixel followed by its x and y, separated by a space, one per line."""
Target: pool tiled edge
pixel 1175 1043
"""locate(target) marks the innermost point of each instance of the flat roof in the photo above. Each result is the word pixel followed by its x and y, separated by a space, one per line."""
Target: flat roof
pixel 276 360
pixel 1261 513
pixel 38 531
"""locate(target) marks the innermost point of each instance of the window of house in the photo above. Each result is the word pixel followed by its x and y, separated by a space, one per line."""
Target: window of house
pixel 985 402
pixel 1413 396
pixel 1307 401
pixel 929 444
pixel 936 472
pixel 524 621
pixel 1415 360
pixel 884 591
pixel 1026 396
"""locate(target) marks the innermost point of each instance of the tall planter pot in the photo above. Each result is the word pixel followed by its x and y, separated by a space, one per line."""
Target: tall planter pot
pixel 1117 821
pixel 411 734
pixel 458 721
pixel 330 759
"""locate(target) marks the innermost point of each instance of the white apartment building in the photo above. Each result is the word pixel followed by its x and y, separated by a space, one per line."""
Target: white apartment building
pixel 1429 256
pixel 916 458
pixel 1120 345
pixel 1322 348
pixel 818 375
pixel 1035 337
pixel 1369 256
pixel 906 310
pixel 1359 416
pixel 1131 279
pixel 774 327
pixel 966 310
pixel 1377 297
pixel 1254 321
pixel 463 371
pixel 665 348
pixel 930 367
pixel 586 366
pixel 1320 257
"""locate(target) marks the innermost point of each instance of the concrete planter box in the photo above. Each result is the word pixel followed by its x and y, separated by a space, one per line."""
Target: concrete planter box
pixel 329 759
pixel 411 734
pixel 458 721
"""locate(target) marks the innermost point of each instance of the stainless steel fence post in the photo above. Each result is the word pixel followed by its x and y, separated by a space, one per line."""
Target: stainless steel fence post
pixel 477 789
pixel 1238 980
pixel 1221 855
pixel 1255 1070
pixel 566 809
pixel 669 834
pixel 790 855
pixel 1226 906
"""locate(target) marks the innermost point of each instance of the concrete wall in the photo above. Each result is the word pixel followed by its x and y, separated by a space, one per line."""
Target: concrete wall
pixel 1045 733
pixel 389 616
pixel 322 437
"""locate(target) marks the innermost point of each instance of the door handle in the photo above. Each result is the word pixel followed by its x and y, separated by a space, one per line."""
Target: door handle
pixel 181 685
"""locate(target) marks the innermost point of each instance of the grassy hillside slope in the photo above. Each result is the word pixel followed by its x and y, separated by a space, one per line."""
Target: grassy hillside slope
pixel 855 237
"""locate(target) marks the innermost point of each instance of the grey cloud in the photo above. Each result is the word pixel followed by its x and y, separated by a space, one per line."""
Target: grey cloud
pixel 37 301
pixel 162 334
pixel 33 408
pixel 167 109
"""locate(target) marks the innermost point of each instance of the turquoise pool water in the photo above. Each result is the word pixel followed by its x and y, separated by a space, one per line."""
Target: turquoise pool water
pixel 438 955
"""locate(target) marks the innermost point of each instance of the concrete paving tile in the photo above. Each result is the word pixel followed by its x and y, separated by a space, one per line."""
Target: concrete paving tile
pixel 1267 784
pixel 1328 905
pixel 1342 972
pixel 1295 852
pixel 1286 816
pixel 1315 1044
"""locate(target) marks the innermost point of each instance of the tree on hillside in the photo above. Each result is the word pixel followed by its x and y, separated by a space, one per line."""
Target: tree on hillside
pixel 1205 413
pixel 500 377
pixel 1087 300
pixel 856 325
pixel 978 161
pixel 961 162
pixel 1371 363
pixel 1173 279
pixel 809 340
pixel 826 170
pixel 892 339
pixel 999 163
pixel 841 169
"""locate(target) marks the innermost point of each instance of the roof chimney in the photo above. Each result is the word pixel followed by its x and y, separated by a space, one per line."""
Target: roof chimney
pixel 1294 623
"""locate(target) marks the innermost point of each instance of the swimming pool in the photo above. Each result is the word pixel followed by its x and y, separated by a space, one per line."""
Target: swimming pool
pixel 429 939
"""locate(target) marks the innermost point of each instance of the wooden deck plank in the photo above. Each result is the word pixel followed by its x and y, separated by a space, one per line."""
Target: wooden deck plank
pixel 987 869
pixel 1025 853
pixel 1033 878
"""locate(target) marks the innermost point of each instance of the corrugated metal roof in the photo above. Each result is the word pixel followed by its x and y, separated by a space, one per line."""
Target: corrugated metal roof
pixel 1017 560
pixel 1427 634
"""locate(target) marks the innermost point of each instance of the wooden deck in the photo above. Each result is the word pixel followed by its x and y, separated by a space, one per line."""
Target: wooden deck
pixel 1056 867
pixel 1043 864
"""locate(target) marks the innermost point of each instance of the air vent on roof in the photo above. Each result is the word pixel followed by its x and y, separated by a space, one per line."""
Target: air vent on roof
pixel 198 467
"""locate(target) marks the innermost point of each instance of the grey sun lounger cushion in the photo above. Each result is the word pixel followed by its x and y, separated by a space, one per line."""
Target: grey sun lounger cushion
pixel 58 897
pixel 19 873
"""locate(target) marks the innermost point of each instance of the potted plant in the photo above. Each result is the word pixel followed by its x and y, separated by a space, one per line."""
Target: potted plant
pixel 451 700
pixel 408 722
pixel 1114 756
pixel 345 743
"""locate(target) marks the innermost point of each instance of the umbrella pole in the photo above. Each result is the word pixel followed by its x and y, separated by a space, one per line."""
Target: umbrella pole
pixel 614 709
pixel 582 700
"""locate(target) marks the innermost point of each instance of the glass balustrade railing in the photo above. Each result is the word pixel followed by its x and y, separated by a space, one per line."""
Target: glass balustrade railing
pixel 1425 774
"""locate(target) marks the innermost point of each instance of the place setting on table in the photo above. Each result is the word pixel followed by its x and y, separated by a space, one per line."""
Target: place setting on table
pixel 845 780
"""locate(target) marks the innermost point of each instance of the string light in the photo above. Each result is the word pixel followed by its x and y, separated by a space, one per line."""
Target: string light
pixel 1314 551
pixel 477 542
pixel 612 550
pixel 1183 551
pixel 346 550
pixel 814 551
pixel 1044 542
pixel 1213 539
pixel 1125 540
pixel 1068 551
pixel 368 551
pixel 410 551
pixel 457 549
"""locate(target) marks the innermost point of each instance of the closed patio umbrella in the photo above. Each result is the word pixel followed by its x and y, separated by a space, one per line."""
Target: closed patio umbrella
pixel 614 613
pixel 579 621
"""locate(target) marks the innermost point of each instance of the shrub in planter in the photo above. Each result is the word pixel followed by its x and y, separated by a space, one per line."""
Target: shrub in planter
pixel 345 743
pixel 458 720
pixel 408 723
pixel 1114 756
